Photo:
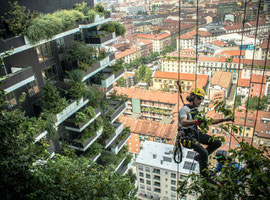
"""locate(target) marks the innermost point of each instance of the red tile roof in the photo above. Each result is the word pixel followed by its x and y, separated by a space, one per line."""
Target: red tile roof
pixel 212 59
pixel 175 76
pixel 223 79
pixel 154 37
pixel 218 43
pixel 126 52
pixel 261 126
pixel 264 44
pixel 192 34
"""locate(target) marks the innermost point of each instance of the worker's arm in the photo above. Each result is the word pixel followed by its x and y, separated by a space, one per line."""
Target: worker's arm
pixel 226 119
pixel 185 122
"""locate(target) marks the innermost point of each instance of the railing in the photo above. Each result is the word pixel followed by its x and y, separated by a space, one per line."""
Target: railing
pixel 118 147
pixel 70 110
pixel 10 43
pixel 96 39
pixel 78 145
pixel 118 166
pixel 72 126
pixel 118 129
pixel 118 107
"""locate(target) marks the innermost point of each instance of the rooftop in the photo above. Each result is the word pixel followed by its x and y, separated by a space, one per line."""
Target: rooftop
pixel 161 156
pixel 223 79
pixel 176 76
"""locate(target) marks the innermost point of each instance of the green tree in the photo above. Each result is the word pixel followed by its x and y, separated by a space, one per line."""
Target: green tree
pixel 142 70
pixel 114 26
pixel 148 76
pixel 253 103
pixel 238 100
pixel 77 87
pixel 121 82
pixel 51 100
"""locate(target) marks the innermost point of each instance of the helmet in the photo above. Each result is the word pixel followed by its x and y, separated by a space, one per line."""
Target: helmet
pixel 221 155
pixel 198 92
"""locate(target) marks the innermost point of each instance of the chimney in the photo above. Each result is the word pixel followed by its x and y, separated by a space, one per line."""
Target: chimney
pixel 154 156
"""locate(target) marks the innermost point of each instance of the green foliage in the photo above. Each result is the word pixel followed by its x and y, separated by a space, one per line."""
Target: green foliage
pixel 168 49
pixel 81 52
pixel 115 96
pixel 132 176
pixel 148 76
pixel 100 9
pixel 238 101
pixel 78 178
pixel 121 82
pixel 252 181
pixel 90 111
pixel 94 149
pixel 82 7
pixel 128 159
pixel 47 26
pixel 114 26
pixel 253 103
pixel 80 117
pixel 95 96
pixel 87 133
pixel 102 54
pixel 141 61
pixel 51 100
pixel 77 89
pixel 118 65
pixel 18 18
pixel 83 66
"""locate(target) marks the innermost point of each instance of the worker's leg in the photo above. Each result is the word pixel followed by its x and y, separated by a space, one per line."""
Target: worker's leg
pixel 203 158
pixel 212 144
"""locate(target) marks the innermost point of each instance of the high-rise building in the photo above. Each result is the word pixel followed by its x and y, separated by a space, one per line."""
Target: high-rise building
pixel 157 173
pixel 30 60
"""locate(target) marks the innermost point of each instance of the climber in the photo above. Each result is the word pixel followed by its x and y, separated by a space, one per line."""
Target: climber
pixel 189 127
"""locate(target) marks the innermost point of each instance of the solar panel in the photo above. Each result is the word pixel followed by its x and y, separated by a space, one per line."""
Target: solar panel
pixel 189 165
pixel 191 154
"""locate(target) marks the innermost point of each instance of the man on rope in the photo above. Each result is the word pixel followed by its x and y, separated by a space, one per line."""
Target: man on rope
pixel 189 127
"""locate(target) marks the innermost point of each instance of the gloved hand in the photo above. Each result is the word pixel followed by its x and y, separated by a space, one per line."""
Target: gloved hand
pixel 199 122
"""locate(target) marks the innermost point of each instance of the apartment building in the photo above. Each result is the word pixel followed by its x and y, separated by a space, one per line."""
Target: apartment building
pixel 157 173
pixel 30 65
pixel 159 41
pixel 168 81
pixel 262 129
pixel 172 63
pixel 129 55
pixel 188 40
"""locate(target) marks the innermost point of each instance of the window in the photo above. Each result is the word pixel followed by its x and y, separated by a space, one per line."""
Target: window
pixel 157 190
pixel 142 186
pixel 173 182
pixel 173 175
pixel 173 188
pixel 173 194
pixel 50 73
pixel 147 169
pixel 157 171
pixel 141 174
pixel 60 43
pixel 190 154
pixel 11 100
pixel 189 165
pixel 44 52
pixel 148 176
pixel 148 182
pixel 148 188
pixel 32 88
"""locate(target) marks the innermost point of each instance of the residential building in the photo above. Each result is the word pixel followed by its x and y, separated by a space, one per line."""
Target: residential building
pixel 159 41
pixel 263 49
pixel 29 66
pixel 157 173
pixel 262 130
pixel 168 81
pixel 133 10
pixel 143 27
pixel 188 40
pixel 221 81
pixel 146 47
pixel 129 55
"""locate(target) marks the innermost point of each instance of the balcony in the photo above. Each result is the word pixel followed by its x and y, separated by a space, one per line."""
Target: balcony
pixel 115 109
pixel 73 107
pixel 104 80
pixel 157 178
pixel 83 145
pixel 38 137
pixel 100 39
pixel 72 126
pixel 123 140
pixel 10 43
pixel 119 165
pixel 125 166
pixel 99 66
pixel 18 77
pixel 119 74
pixel 118 130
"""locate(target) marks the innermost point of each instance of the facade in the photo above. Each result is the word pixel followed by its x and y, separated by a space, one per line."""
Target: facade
pixel 221 81
pixel 129 55
pixel 133 10
pixel 29 66
pixel 168 81
pixel 159 41
pixel 262 133
pixel 157 173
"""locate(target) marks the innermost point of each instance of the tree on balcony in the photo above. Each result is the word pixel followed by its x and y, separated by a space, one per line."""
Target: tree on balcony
pixel 77 88
pixel 114 26
pixel 118 65
pixel 51 100
pixel 95 97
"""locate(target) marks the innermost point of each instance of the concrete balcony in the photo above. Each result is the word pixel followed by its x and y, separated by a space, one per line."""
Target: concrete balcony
pixel 94 158
pixel 119 74
pixel 119 165
pixel 38 137
pixel 100 39
pixel 124 168
pixel 18 77
pixel 73 107
pixel 116 148
pixel 118 129
pixel 106 81
pixel 84 145
pixel 10 43
pixel 115 109
pixel 72 126
pixel 99 66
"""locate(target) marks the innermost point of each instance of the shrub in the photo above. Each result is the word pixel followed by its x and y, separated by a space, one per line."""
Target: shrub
pixel 80 117
pixel 77 88
pixel 90 111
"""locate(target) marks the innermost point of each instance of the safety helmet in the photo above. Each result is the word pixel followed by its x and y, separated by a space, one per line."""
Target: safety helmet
pixel 221 155
pixel 198 91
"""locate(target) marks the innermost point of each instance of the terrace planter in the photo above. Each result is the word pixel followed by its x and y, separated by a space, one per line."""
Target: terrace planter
pixel 119 146
pixel 13 42
pixel 99 40
pixel 117 107
pixel 118 129
pixel 83 146
pixel 71 125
